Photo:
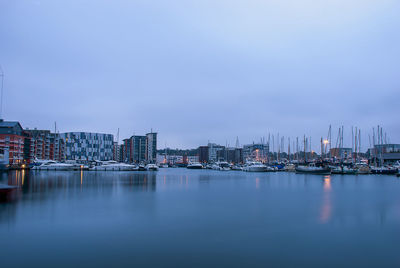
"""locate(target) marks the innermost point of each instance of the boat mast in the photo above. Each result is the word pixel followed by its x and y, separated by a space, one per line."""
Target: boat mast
pixel 305 157
pixel 337 143
pixel 273 147
pixel 322 149
pixel 342 143
pixel 352 143
pixel 330 142
pixel 373 144
pixel 279 148
pixel 382 147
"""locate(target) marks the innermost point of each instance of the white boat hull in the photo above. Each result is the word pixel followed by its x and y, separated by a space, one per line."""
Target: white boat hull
pixel 54 168
pixel 114 168
pixel 255 169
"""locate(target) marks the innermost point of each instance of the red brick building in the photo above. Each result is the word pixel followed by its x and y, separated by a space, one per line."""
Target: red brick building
pixel 12 139
pixel 42 144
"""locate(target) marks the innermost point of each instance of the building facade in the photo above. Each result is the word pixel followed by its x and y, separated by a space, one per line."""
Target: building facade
pixel 256 152
pixel 151 147
pixel 4 158
pixel 231 155
pixel 134 150
pixel 88 146
pixel 212 151
pixel 341 153
pixel 117 152
pixel 12 140
pixel 386 153
pixel 203 154
pixel 42 144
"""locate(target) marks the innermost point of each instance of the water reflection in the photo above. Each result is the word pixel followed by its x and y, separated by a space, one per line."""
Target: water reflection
pixel 47 182
pixel 326 210
pixel 177 210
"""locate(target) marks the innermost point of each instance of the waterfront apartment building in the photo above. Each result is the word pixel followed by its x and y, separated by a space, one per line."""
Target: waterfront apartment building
pixel 117 152
pixel 134 149
pixel 192 158
pixel 231 155
pixel 151 147
pixel 4 158
pixel 42 144
pixel 203 154
pixel 88 146
pixel 256 152
pixel 212 151
pixel 341 153
pixel 137 149
pixel 12 140
pixel 388 153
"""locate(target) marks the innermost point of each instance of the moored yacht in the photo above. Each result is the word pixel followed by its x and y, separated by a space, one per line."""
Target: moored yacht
pixel 363 168
pixel 313 169
pixel 224 166
pixel 38 162
pixel 290 168
pixel 194 165
pixel 113 166
pixel 53 165
pixel 151 167
pixel 237 167
pixel 343 170
pixel 255 167
pixel 384 170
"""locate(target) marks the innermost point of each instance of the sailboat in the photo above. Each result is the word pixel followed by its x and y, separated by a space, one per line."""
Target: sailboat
pixel 313 169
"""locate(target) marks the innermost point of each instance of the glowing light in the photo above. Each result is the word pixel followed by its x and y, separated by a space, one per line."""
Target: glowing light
pixel 326 210
pixel 327 183
pixel 326 141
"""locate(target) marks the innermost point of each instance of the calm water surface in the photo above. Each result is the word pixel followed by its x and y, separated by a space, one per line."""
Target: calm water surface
pixel 199 218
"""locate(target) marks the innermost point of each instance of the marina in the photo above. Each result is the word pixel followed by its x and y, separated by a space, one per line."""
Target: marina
pixel 264 218
pixel 316 167
pixel 199 134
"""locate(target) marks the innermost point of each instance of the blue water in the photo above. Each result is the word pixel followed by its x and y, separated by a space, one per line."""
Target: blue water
pixel 199 218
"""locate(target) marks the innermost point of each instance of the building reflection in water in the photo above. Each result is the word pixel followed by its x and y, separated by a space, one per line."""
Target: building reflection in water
pixel 45 182
pixel 326 210
pixel 257 182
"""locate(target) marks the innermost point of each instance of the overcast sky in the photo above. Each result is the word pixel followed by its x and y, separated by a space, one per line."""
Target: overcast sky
pixel 203 70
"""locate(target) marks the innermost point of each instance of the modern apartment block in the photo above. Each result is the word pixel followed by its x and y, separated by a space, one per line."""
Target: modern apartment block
pixel 88 146
pixel 134 150
pixel 137 149
pixel 42 144
pixel 256 152
pixel 12 140
pixel 213 150
pixel 203 154
pixel 151 147
pixel 116 152
pixel 231 155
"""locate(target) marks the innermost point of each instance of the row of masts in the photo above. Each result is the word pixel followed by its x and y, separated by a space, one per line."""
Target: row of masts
pixel 298 149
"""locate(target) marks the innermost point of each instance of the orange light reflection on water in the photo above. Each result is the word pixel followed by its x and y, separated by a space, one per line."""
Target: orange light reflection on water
pixel 326 210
